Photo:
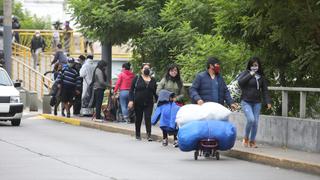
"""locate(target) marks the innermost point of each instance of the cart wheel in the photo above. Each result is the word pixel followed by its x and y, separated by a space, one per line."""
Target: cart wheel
pixel 196 154
pixel 217 155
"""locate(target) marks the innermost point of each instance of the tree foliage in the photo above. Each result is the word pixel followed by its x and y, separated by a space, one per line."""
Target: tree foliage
pixel 27 21
pixel 115 21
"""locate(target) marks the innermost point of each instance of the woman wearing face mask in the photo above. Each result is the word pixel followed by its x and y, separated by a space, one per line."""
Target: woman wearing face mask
pixel 141 98
pixel 254 88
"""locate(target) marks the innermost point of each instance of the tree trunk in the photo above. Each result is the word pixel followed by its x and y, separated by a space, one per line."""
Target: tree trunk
pixel 107 56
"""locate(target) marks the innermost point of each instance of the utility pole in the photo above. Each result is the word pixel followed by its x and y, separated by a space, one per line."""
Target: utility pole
pixel 7 34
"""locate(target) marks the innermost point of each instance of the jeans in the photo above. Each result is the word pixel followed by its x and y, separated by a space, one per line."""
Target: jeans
pixel 124 100
pixel 98 95
pixel 252 112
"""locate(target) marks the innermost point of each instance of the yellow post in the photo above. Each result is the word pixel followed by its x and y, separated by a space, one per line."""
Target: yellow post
pixel 24 74
pixel 29 54
pixel 42 87
pixel 18 69
pixel 25 56
pixel 29 79
pixel 40 60
pixel 35 81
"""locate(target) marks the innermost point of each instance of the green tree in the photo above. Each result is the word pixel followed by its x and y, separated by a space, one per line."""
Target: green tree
pixel 286 34
pixel 115 21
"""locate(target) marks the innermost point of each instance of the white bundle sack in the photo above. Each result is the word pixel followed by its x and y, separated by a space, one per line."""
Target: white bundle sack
pixel 215 111
pixel 207 111
pixel 189 112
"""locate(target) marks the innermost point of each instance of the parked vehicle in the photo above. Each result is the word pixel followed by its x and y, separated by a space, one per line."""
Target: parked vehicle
pixel 10 106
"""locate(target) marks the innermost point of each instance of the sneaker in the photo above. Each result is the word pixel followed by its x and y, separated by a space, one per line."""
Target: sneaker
pixel 149 138
pixel 175 143
pixel 245 142
pixel 68 115
pixel 98 120
pixel 253 144
pixel 165 142
pixel 62 113
pixel 138 138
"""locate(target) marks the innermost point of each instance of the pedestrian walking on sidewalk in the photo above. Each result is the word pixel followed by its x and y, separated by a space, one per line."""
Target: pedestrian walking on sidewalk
pixel 123 85
pixel 254 88
pixel 173 83
pixel 37 46
pixel 142 96
pixel 209 86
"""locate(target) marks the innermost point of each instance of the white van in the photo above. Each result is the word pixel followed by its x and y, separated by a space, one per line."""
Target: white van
pixel 10 106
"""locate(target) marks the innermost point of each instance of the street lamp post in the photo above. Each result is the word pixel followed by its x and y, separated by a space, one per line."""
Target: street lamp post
pixel 7 34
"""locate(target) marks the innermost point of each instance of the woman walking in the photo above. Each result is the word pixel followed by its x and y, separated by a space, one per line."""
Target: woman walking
pixel 141 98
pixel 173 83
pixel 254 88
pixel 123 84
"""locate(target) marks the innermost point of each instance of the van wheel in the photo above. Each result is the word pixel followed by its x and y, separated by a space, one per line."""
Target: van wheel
pixel 15 122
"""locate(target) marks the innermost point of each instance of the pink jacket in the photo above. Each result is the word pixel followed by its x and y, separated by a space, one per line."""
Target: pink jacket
pixel 124 80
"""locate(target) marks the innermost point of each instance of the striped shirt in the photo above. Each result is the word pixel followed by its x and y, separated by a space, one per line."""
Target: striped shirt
pixel 69 77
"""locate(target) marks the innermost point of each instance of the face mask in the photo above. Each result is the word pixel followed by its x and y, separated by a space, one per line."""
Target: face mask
pixel 216 69
pixel 254 68
pixel 37 35
pixel 146 72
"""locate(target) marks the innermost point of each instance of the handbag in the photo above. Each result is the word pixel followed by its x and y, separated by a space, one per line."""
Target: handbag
pixel 132 113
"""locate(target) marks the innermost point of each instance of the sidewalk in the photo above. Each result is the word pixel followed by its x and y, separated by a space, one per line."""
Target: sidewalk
pixel 274 156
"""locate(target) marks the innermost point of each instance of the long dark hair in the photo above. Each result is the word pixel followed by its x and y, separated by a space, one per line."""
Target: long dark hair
pixel 253 60
pixel 176 79
pixel 101 65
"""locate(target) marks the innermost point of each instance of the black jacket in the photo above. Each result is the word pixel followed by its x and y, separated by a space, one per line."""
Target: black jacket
pixel 250 90
pixel 141 93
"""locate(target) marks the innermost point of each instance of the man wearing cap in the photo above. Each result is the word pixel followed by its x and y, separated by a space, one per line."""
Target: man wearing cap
pixel 209 86
pixel 37 46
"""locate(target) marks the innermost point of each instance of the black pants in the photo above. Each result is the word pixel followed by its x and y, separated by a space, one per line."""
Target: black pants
pixel 147 111
pixel 165 135
pixel 77 104
pixel 98 96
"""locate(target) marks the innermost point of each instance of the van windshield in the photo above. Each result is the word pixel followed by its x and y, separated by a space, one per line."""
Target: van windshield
pixel 4 79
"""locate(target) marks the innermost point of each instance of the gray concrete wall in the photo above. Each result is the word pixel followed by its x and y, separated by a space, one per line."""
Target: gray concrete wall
pixel 295 133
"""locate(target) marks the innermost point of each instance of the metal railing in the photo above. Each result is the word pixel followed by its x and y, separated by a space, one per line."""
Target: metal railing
pixel 32 80
pixel 303 98
pixel 25 36
pixel 303 91
pixel 23 53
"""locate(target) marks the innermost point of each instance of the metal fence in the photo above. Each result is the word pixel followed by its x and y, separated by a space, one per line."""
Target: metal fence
pixel 31 79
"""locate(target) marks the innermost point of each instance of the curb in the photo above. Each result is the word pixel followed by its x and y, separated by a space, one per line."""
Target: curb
pixel 238 154
pixel 274 161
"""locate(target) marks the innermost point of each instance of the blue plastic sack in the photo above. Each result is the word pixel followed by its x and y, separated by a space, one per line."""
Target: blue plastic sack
pixel 191 133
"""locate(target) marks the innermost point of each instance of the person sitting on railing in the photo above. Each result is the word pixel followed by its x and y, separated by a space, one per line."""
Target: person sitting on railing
pixel 37 46
pixel 60 56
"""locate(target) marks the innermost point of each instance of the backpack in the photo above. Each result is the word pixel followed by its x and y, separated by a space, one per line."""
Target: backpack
pixel 235 90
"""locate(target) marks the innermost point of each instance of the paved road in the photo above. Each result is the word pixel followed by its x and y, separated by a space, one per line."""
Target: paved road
pixel 42 149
